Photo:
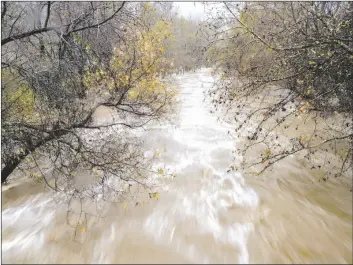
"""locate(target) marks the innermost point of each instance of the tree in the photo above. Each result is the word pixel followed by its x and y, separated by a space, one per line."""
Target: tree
pixel 186 47
pixel 57 71
pixel 303 48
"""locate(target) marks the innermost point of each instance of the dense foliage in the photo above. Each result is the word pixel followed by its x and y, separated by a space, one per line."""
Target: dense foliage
pixel 61 62
pixel 292 62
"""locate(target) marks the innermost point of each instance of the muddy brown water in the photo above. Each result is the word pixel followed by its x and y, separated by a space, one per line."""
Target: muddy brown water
pixel 204 215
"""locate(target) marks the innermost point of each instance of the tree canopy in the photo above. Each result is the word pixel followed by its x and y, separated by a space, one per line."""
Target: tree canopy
pixel 61 62
pixel 302 50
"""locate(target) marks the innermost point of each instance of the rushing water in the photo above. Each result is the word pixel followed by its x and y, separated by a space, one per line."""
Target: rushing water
pixel 204 215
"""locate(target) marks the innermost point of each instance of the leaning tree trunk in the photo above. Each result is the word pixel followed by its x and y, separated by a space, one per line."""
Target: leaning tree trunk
pixel 10 166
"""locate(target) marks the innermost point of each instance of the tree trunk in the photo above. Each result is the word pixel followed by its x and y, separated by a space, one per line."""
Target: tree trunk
pixel 12 163
pixel 8 169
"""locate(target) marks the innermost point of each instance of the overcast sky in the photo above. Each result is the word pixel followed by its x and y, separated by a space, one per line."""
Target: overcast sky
pixel 191 9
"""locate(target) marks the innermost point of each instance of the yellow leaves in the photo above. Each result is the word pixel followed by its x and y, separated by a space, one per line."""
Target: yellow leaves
pixel 38 177
pixel 300 82
pixel 147 7
pixel 96 173
pixel 242 17
pixel 82 229
pixel 117 63
pixel 311 62
pixel 21 100
pixel 73 174
pixel 161 30
pixel 78 40
pixel 111 85
pixel 125 207
pixel 308 92
pixel 100 74
pixel 29 159
pixel 132 95
pixel 146 49
pixel 87 79
pixel 160 171
pixel 154 195
pixel 88 47
pixel 267 153
pixel 124 80
pixel 303 139
pixel 150 87
pixel 22 151
pixel 157 154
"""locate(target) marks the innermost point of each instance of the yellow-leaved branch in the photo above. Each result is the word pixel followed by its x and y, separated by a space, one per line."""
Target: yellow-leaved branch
pixel 136 68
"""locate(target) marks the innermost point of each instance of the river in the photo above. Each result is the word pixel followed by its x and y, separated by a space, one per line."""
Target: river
pixel 204 214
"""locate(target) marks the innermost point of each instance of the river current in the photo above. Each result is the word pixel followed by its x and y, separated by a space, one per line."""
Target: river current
pixel 205 213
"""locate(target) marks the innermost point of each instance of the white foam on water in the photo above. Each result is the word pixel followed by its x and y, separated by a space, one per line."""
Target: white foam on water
pixel 201 144
pixel 205 207
pixel 27 222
